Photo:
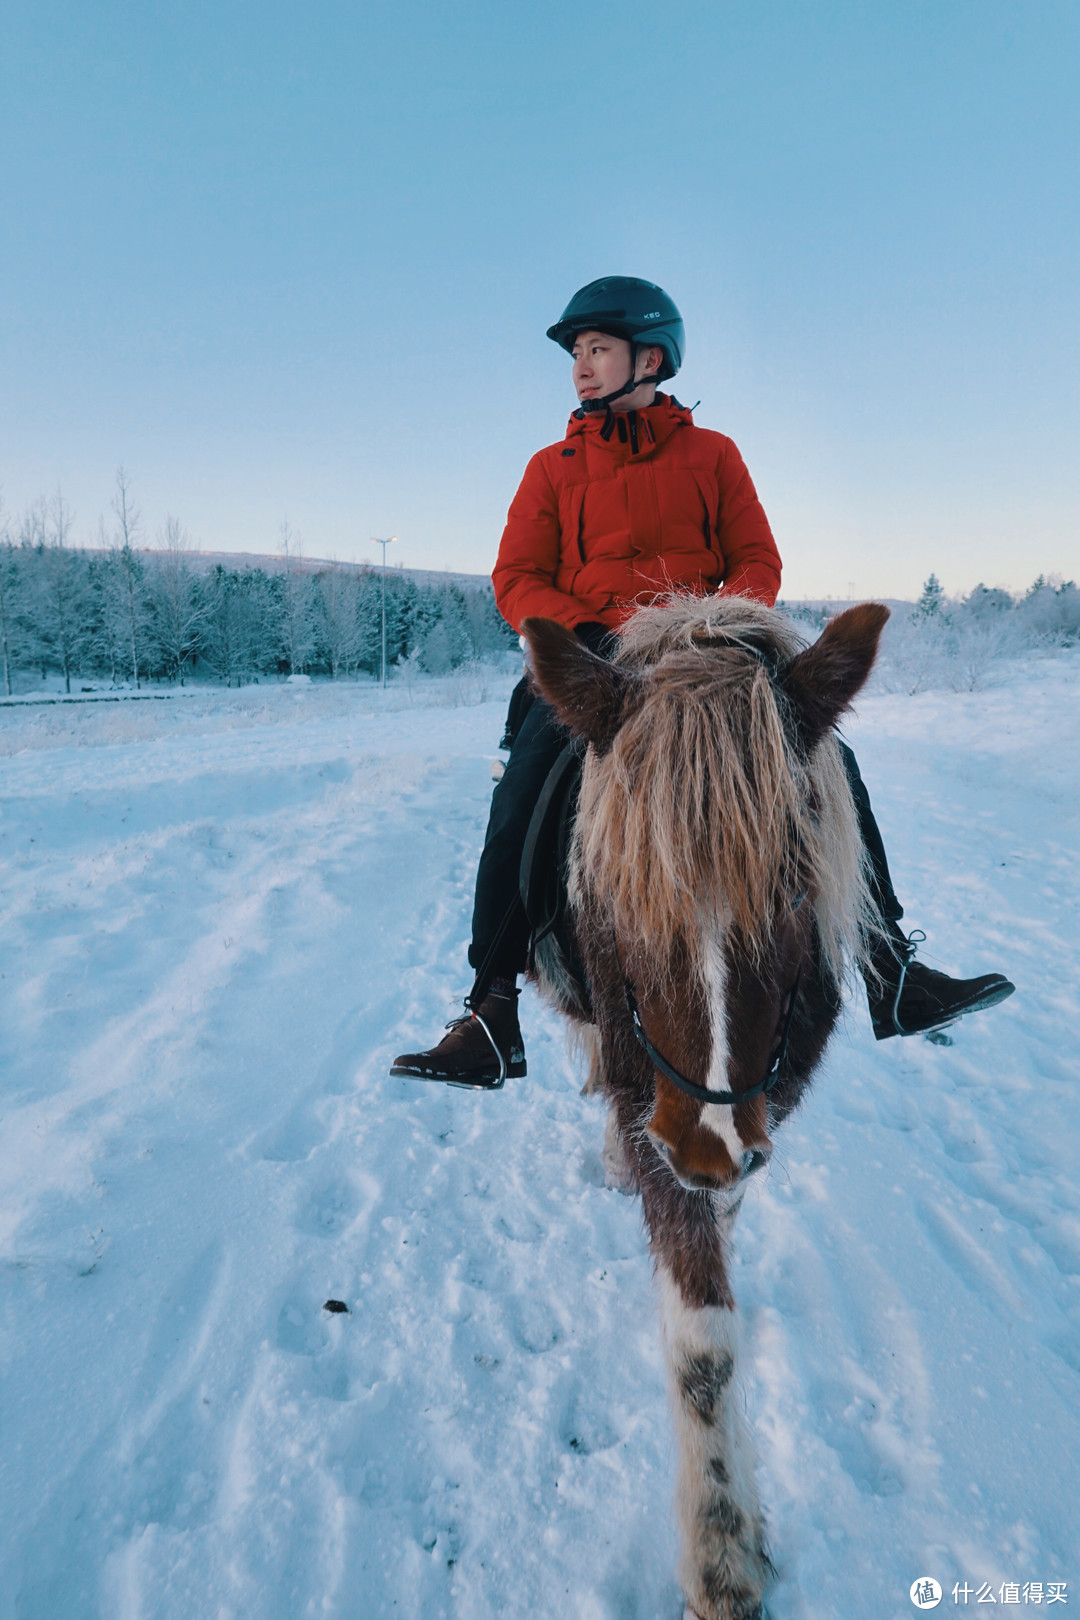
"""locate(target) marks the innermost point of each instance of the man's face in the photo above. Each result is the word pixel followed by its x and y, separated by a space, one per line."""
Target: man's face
pixel 602 364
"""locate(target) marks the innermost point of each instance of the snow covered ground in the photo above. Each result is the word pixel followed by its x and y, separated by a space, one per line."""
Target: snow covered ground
pixel 219 920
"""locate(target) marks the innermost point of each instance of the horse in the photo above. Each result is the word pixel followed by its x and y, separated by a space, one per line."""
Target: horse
pixel 717 898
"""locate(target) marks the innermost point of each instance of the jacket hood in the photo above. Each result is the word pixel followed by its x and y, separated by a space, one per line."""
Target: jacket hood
pixel 656 423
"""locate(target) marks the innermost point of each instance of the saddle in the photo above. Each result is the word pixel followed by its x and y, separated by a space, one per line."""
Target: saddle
pixel 545 867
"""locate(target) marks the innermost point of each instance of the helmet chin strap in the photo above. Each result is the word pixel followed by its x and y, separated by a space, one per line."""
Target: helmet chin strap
pixel 604 403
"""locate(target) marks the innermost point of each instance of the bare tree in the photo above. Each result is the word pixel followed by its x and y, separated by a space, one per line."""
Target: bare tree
pixel 342 633
pixel 107 630
pixel 297 619
pixel 180 609
pixel 128 569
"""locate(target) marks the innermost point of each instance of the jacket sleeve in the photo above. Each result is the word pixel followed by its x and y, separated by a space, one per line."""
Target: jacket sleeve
pixel 751 560
pixel 528 560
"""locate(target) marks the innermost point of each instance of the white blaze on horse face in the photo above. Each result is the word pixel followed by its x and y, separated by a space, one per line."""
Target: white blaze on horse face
pixel 718 1117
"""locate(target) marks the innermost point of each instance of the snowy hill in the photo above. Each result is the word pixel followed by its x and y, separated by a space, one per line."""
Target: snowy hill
pixel 275 563
pixel 220 919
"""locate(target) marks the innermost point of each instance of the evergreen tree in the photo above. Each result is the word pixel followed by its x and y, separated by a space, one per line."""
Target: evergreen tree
pixel 1051 610
pixel 104 626
pixel 59 600
pixel 446 643
pixel 258 608
pixel 219 640
pixel 131 615
pixel 931 604
pixel 403 603
pixel 369 623
pixel 9 575
pixel 488 630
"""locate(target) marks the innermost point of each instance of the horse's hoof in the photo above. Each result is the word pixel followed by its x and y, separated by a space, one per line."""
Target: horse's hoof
pixel 615 1181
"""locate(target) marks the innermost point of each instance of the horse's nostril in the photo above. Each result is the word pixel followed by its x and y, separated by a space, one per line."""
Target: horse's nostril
pixel 753 1159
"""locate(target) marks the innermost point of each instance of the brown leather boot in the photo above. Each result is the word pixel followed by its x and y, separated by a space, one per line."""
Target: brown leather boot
pixel 480 1051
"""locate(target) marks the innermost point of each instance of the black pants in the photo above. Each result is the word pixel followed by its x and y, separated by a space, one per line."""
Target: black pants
pixel 539 742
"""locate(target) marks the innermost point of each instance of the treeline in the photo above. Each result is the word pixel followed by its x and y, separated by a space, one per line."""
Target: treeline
pixel 122 614
pixel 1047 613
pixel 963 643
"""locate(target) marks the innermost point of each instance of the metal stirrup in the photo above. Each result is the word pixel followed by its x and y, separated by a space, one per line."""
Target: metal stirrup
pixel 494 1046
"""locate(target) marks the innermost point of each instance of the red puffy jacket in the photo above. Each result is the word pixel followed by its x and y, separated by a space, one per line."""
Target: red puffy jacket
pixel 601 525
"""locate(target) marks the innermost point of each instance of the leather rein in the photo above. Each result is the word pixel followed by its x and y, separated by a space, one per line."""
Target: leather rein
pixel 702 1093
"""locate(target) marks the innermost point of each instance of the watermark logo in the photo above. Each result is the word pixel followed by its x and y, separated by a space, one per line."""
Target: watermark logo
pixel 925 1592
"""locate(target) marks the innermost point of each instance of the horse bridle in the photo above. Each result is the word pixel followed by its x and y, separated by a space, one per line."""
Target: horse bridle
pixel 691 1088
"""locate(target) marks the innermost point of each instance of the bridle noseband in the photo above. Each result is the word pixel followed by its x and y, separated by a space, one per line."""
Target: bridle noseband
pixel 702 1093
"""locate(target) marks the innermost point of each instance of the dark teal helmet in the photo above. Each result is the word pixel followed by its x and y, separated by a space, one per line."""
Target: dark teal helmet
pixel 627 307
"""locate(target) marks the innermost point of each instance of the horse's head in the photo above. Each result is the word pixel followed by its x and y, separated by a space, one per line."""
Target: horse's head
pixel 716 852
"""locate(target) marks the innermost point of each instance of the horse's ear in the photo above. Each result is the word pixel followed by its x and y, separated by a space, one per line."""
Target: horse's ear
pixel 824 680
pixel 586 692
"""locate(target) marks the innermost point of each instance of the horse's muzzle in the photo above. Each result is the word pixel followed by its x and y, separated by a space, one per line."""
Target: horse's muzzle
pixel 699 1178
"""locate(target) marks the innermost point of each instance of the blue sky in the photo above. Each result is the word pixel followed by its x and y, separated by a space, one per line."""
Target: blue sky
pixel 296 262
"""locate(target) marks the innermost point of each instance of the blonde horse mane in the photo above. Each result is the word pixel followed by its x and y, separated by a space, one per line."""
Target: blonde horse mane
pixel 702 808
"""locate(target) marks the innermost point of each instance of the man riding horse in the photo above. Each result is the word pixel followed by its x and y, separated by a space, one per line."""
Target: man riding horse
pixel 634 502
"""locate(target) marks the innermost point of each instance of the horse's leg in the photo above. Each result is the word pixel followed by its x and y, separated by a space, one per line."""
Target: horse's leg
pixel 619 1172
pixel 587 1040
pixel 724 1566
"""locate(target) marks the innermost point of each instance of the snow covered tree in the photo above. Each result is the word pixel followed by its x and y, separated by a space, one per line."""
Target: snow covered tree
pixel 298 616
pixel 1050 610
pixel 241 633
pixel 126 598
pixel 8 586
pixel 220 637
pixel 407 610
pixel 931 604
pixel 436 651
pixel 59 599
pixel 488 630
pixel 446 644
pixel 402 598
pixel 104 627
pixel 258 619
pixel 982 603
pixel 118 627
pixel 369 622
pixel 340 632
pixel 176 604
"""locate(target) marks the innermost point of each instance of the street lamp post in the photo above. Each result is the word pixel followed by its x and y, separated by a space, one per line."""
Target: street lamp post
pixel 384 543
